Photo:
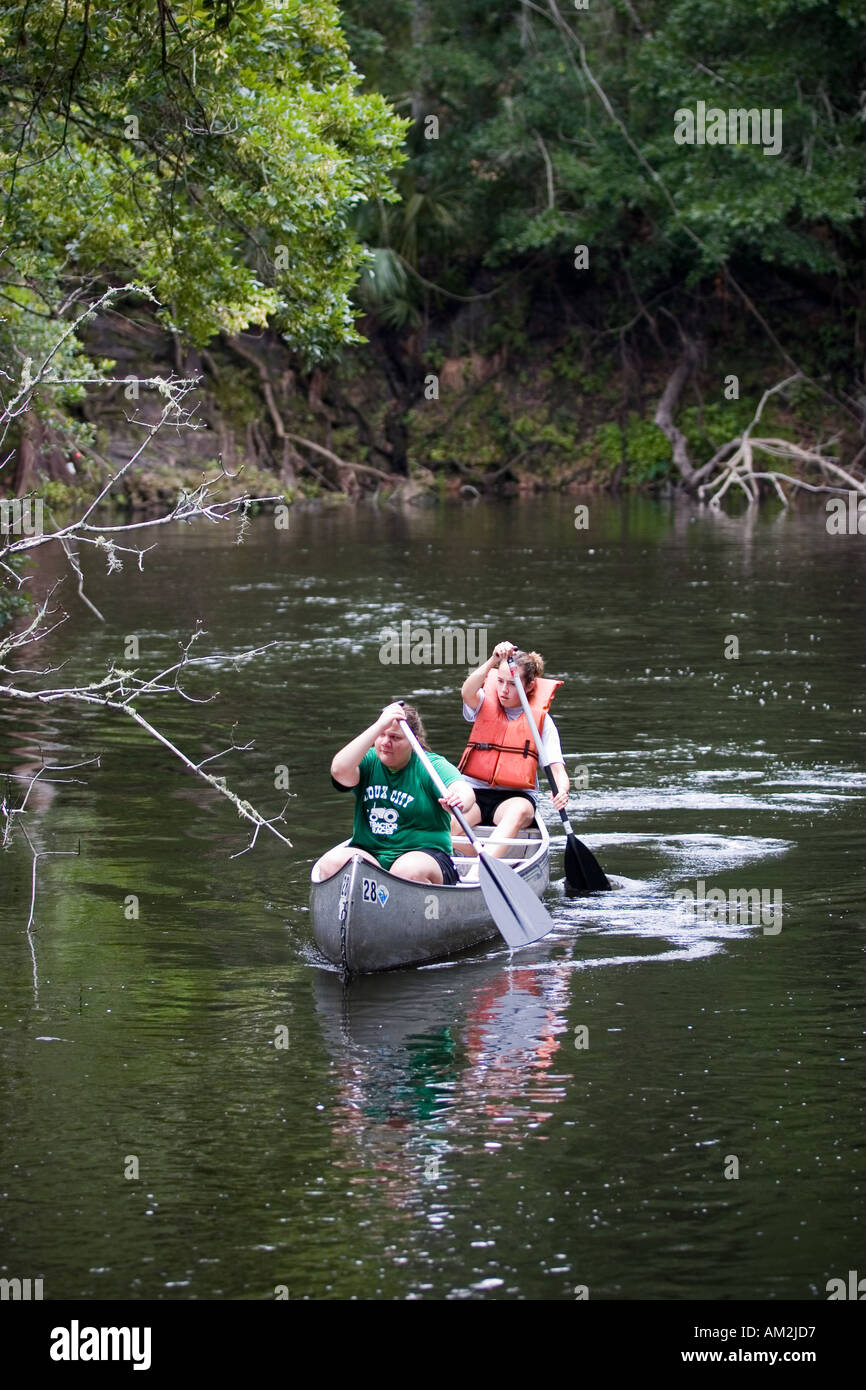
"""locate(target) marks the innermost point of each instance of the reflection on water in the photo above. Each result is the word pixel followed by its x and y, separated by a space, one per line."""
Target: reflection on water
pixel 429 1078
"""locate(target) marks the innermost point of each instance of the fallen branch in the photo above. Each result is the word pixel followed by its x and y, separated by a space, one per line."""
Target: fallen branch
pixel 119 690
pixel 341 463
pixel 736 461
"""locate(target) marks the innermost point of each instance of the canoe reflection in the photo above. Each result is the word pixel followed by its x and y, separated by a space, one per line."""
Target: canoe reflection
pixel 452 1061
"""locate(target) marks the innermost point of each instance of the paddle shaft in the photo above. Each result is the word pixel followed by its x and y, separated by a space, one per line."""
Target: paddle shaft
pixel 530 718
pixel 582 869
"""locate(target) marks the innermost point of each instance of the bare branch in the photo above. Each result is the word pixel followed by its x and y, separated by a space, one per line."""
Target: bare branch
pixel 551 202
pixel 118 690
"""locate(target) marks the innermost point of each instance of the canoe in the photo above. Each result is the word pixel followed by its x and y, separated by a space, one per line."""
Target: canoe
pixel 365 919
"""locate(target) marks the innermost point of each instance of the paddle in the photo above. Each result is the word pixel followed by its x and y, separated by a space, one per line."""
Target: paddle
pixel 583 873
pixel 515 909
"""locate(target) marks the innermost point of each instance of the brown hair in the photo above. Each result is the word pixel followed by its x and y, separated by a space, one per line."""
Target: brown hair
pixel 530 665
pixel 413 719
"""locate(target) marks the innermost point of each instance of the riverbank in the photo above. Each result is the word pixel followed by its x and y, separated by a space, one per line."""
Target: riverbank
pixel 400 415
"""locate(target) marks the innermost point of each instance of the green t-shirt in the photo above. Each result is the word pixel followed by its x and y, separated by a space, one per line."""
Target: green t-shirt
pixel 399 811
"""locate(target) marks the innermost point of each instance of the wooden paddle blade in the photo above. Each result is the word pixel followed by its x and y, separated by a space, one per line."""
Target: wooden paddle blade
pixel 583 873
pixel 515 909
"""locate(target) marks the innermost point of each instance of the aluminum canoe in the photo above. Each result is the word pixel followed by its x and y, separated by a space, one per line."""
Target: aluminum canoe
pixel 365 919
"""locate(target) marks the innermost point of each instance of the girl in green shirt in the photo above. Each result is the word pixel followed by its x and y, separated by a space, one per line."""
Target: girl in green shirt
pixel 401 822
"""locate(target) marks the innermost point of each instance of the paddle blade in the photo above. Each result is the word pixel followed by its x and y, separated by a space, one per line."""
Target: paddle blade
pixel 583 873
pixel 515 909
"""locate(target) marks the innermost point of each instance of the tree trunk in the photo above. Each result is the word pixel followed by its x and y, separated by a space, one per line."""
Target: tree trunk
pixel 664 416
pixel 25 458
pixel 420 26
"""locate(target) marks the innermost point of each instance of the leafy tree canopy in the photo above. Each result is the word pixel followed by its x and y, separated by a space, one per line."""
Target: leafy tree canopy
pixel 212 149
pixel 556 126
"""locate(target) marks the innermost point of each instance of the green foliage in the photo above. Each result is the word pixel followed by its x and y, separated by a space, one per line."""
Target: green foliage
pixel 530 430
pixel 385 288
pixel 568 364
pixel 59 496
pixel 711 425
pixel 530 161
pixel 648 452
pixel 641 447
pixel 213 152
pixel 506 327
pixel 607 446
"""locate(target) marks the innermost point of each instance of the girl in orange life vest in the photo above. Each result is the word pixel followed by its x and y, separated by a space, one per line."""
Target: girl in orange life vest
pixel 501 761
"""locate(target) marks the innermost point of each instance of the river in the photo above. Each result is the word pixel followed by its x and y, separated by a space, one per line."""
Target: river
pixel 650 1103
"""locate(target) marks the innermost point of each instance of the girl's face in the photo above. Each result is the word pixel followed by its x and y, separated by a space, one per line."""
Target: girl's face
pixel 506 689
pixel 393 748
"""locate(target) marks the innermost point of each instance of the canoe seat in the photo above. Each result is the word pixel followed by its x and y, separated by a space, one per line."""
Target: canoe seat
pixel 522 847
pixel 473 859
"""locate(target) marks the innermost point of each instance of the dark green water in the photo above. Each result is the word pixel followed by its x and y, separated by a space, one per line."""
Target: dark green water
pixel 437 1133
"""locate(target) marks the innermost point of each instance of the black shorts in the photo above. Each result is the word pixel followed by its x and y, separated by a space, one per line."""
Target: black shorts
pixel 489 799
pixel 445 862
pixel 450 875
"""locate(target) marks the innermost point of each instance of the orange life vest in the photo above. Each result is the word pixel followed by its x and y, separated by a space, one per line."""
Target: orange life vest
pixel 501 751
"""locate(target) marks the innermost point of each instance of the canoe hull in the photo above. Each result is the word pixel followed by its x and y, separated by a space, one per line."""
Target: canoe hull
pixel 366 920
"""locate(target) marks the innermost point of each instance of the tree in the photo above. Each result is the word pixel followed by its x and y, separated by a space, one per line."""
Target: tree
pixel 213 150
pixel 561 127
pixel 557 127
